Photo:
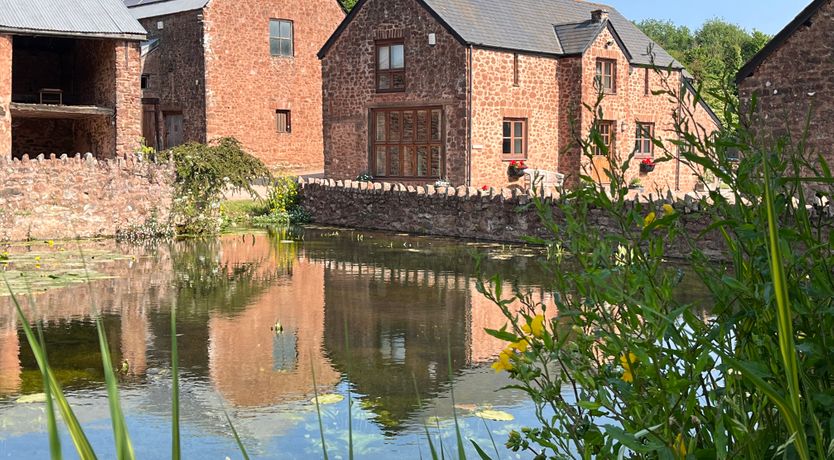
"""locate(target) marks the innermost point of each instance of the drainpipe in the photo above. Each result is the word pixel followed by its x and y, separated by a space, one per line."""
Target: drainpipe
pixel 469 124
pixel 680 112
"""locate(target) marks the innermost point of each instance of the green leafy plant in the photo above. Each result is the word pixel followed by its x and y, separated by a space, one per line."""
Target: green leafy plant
pixel 619 366
pixel 203 172
pixel 281 206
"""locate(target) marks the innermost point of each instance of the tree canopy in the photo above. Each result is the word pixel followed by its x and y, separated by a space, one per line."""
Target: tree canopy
pixel 713 54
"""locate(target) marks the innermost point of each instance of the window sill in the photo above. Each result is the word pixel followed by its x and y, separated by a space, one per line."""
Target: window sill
pixel 643 156
pixel 383 91
pixel 281 56
pixel 509 158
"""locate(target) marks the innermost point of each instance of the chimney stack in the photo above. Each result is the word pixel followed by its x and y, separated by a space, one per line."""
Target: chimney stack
pixel 599 16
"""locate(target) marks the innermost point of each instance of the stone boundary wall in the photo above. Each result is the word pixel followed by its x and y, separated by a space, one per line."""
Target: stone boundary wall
pixel 467 212
pixel 79 196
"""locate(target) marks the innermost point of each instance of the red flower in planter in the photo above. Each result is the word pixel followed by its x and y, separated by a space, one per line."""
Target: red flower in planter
pixel 648 162
pixel 485 188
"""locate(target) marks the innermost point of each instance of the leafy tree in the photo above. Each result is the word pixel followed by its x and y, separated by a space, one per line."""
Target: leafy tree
pixel 349 4
pixel 713 54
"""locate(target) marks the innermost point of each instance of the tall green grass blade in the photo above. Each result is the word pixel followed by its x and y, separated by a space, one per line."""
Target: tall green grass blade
pixel 318 409
pixel 461 451
pixel 124 448
pixel 349 401
pixel 787 344
pixel 480 451
pixel 491 439
pixel 51 423
pixel 79 438
pixel 175 388
pixel 237 437
pixel 425 426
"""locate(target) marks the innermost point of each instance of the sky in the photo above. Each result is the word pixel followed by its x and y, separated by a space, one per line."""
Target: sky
pixel 768 16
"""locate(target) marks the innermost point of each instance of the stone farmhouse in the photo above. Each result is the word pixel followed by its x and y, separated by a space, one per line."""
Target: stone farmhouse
pixel 242 68
pixel 69 78
pixel 792 78
pixel 418 90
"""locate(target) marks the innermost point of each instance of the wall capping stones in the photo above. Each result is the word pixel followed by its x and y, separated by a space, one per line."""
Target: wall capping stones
pixel 493 215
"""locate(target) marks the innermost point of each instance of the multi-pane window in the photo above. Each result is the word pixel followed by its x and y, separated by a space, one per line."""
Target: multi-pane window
pixel 407 143
pixel 606 133
pixel 280 37
pixel 606 76
pixel 643 144
pixel 515 137
pixel 390 66
pixel 283 121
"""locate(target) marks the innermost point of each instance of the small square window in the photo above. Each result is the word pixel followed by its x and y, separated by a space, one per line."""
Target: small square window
pixel 280 37
pixel 606 76
pixel 644 142
pixel 144 81
pixel 514 137
pixel 283 121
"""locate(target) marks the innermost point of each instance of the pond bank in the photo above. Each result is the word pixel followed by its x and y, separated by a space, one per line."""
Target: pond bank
pixel 501 215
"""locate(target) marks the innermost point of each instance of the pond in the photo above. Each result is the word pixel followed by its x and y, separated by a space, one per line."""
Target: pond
pixel 395 320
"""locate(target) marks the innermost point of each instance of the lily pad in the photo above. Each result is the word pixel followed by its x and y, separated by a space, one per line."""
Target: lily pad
pixel 33 398
pixel 331 398
pixel 497 415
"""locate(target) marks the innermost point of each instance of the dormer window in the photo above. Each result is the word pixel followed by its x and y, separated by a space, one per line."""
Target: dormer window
pixel 390 66
pixel 606 76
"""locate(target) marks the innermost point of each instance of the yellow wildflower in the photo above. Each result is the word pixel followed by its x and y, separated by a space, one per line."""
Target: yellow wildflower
pixel 37 266
pixel 536 326
pixel 503 363
pixel 668 210
pixel 680 447
pixel 649 219
pixel 521 345
pixel 627 362
pixel 50 243
pixel 37 258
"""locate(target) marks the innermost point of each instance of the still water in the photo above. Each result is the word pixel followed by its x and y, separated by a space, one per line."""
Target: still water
pixel 385 317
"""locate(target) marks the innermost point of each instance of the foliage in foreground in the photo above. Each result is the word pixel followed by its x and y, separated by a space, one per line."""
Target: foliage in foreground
pixel 627 369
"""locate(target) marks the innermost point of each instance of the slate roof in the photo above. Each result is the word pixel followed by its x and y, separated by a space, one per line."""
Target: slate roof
pixel 555 27
pixel 141 9
pixel 780 38
pixel 98 18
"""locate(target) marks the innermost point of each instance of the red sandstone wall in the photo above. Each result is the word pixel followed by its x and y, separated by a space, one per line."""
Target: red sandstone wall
pixel 796 82
pixel 176 70
pixel 246 85
pixel 434 76
pixel 635 102
pixel 495 97
pixel 128 97
pixel 72 197
pixel 5 96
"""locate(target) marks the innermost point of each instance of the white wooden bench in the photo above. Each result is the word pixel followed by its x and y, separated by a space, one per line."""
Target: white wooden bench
pixel 542 178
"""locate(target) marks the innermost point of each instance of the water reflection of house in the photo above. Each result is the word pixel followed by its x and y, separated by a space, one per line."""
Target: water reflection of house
pixel 249 364
pixel 403 324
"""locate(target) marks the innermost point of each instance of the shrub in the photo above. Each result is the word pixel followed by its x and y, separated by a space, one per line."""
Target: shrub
pixel 281 206
pixel 624 368
pixel 203 172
